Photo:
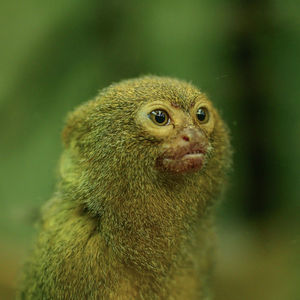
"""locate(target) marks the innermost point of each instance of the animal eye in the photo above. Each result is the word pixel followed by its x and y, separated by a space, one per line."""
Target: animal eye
pixel 202 115
pixel 159 117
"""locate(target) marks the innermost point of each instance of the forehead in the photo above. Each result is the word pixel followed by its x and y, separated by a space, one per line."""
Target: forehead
pixel 178 93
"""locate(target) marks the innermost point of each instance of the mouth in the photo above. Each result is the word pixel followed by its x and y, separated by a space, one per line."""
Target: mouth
pixel 182 160
pixel 194 154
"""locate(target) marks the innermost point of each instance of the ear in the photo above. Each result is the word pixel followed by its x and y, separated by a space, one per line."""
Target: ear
pixel 76 124
pixel 72 124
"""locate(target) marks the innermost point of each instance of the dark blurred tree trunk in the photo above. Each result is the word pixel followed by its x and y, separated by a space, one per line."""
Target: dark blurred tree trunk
pixel 253 22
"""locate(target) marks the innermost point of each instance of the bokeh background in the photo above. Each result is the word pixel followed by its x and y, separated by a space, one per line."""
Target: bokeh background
pixel 244 54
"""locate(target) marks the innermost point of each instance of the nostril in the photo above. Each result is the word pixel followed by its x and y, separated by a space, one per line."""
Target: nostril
pixel 186 138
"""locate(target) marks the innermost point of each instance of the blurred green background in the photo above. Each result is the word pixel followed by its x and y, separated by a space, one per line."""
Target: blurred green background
pixel 244 54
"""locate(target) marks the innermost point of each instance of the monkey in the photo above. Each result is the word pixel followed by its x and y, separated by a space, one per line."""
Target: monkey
pixel 132 216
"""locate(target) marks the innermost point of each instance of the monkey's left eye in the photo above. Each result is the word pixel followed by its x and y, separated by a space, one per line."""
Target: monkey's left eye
pixel 202 115
pixel 159 117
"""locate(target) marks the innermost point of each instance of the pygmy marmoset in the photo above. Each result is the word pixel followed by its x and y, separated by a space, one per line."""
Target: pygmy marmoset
pixel 132 215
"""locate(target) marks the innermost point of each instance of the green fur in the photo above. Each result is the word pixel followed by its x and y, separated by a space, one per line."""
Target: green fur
pixel 117 227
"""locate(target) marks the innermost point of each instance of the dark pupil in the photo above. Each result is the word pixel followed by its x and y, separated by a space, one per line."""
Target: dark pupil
pixel 160 117
pixel 201 114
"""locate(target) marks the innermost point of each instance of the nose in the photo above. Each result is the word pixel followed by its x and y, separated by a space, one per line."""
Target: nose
pixel 186 138
pixel 190 135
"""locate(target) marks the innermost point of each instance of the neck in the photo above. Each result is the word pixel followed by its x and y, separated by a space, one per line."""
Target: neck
pixel 146 221
pixel 148 226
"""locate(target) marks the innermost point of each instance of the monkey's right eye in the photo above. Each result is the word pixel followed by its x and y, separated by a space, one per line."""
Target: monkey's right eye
pixel 159 117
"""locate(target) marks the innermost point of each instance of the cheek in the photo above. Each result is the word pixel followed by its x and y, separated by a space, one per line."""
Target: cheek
pixel 209 127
